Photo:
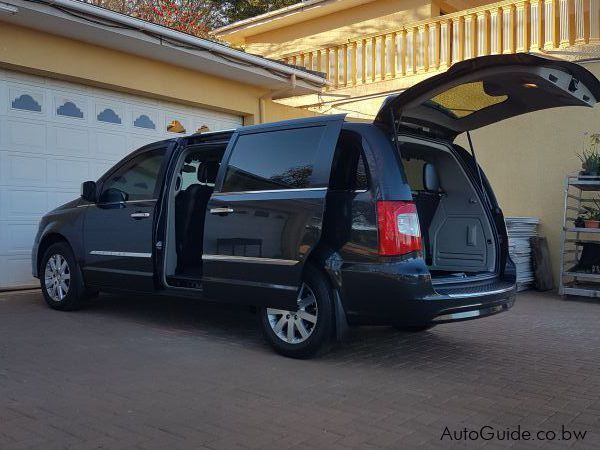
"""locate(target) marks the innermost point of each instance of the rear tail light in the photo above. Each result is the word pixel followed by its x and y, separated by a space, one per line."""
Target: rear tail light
pixel 399 231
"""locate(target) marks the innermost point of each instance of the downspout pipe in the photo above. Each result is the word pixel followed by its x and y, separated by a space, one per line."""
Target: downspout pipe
pixel 262 100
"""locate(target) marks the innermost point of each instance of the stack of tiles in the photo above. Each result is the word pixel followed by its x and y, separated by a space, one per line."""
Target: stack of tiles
pixel 520 229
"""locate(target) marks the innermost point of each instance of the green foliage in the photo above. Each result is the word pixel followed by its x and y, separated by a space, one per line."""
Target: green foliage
pixel 590 212
pixel 197 17
pixel 234 10
pixel 590 155
pixel 189 16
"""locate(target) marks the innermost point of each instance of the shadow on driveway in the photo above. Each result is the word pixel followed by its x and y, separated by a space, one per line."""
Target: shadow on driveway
pixel 378 345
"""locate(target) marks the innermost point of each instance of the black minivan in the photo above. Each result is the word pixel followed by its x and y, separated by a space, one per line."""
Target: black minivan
pixel 319 223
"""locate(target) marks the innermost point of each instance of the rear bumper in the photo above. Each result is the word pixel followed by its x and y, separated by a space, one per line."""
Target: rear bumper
pixel 473 302
pixel 402 293
pixel 474 311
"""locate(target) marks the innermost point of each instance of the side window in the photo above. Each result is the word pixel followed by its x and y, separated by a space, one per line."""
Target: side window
pixel 273 160
pixel 349 170
pixel 362 179
pixel 189 171
pixel 136 180
pixel 189 174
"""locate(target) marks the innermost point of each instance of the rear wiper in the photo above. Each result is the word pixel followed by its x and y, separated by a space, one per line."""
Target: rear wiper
pixel 478 169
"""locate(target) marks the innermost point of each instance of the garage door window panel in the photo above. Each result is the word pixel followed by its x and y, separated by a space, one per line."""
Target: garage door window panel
pixel 26 102
pixel 69 109
pixel 108 115
pixel 144 121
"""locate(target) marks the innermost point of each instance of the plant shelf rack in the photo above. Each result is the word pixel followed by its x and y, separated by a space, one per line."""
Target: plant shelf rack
pixel 579 190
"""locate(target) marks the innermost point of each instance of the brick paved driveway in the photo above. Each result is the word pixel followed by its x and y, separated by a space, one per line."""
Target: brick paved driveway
pixel 168 373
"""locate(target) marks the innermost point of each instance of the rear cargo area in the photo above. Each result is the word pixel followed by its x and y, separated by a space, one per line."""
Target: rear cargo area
pixel 458 237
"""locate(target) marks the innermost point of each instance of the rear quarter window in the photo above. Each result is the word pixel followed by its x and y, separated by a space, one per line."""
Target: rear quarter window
pixel 349 170
pixel 273 160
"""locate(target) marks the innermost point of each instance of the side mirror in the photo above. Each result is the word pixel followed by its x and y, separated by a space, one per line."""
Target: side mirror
pixel 113 195
pixel 431 182
pixel 88 191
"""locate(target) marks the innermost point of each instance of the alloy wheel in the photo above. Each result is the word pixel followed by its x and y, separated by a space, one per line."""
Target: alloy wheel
pixel 57 277
pixel 294 327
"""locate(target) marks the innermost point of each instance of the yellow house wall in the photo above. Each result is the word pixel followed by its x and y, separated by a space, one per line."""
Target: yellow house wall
pixel 361 20
pixel 58 57
pixel 526 159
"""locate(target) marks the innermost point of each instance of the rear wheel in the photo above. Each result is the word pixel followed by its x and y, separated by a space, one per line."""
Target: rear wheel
pixel 302 332
pixel 60 278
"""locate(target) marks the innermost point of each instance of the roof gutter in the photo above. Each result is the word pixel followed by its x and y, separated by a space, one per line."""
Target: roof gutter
pixel 278 12
pixel 203 44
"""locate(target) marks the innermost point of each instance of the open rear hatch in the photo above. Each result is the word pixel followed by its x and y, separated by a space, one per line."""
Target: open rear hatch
pixel 481 91
pixel 470 95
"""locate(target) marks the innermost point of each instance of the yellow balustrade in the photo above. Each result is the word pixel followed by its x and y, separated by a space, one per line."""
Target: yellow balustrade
pixel 433 45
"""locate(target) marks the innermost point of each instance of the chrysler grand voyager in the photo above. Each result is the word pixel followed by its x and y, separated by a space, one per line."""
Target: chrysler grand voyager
pixel 319 223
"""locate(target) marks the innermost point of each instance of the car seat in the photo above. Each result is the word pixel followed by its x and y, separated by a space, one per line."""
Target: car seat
pixel 193 212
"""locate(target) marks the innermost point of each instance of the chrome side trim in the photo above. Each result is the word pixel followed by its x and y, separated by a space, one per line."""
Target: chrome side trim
pixel 125 254
pixel 250 259
pixel 271 191
pixel 119 271
pixel 119 203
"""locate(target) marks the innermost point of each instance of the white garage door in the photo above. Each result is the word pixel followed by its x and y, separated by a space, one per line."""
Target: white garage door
pixel 54 135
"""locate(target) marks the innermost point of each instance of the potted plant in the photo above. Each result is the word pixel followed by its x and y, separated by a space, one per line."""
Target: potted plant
pixel 579 222
pixel 591 218
pixel 590 157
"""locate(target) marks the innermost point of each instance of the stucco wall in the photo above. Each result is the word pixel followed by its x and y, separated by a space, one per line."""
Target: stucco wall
pixel 370 18
pixel 54 56
pixel 526 159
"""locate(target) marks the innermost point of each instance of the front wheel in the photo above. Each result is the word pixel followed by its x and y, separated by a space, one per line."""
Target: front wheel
pixel 302 332
pixel 60 278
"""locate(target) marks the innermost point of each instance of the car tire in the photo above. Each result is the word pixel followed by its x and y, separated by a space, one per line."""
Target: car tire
pixel 60 278
pixel 308 330
pixel 415 328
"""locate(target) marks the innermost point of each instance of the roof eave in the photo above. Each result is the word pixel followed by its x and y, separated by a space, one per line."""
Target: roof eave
pixel 160 43
pixel 235 32
pixel 266 16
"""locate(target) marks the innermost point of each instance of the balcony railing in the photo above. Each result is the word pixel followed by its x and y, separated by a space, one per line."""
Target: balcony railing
pixel 433 45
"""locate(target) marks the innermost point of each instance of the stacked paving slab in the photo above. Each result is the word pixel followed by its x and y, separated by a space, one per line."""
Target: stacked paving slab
pixel 520 230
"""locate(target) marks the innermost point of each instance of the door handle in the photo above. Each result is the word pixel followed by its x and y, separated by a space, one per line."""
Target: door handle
pixel 221 211
pixel 139 215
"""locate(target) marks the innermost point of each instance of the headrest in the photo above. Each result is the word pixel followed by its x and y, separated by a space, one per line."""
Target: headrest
pixel 207 173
